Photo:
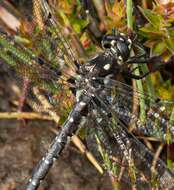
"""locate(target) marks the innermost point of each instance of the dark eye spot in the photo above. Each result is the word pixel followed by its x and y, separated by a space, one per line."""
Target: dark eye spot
pixel 49 15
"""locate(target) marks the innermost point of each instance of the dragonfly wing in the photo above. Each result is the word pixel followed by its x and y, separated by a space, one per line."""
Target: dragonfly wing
pixel 125 157
pixel 150 119
pixel 40 42
pixel 57 103
pixel 41 55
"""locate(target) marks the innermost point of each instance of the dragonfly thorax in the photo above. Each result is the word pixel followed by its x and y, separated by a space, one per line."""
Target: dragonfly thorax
pixel 100 66
pixel 118 48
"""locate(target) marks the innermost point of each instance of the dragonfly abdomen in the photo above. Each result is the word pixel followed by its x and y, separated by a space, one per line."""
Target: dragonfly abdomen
pixel 68 129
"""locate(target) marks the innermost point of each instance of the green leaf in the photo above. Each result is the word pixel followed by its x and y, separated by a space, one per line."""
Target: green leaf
pixel 169 164
pixel 170 32
pixel 154 18
pixel 64 18
pixel 79 24
pixel 159 48
pixel 152 32
pixel 170 44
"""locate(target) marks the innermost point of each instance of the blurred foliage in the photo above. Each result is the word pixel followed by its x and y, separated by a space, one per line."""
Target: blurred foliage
pixel 156 34
pixel 159 29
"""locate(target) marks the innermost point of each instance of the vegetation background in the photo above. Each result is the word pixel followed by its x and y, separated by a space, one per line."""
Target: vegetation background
pixel 25 137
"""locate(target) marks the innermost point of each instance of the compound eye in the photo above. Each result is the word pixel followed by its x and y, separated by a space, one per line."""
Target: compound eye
pixel 123 50
pixel 106 44
pixel 109 41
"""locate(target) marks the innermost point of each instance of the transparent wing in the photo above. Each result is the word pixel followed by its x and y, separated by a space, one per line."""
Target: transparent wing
pixel 151 119
pixel 126 159
pixel 40 54
pixel 53 31
pixel 41 41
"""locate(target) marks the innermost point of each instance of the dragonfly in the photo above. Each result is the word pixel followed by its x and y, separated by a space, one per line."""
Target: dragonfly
pixel 92 97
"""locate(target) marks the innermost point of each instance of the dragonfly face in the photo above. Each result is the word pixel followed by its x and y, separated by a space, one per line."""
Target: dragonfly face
pixel 119 44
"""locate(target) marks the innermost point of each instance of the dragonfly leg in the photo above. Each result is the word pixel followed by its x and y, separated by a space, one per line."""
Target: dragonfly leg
pixel 133 76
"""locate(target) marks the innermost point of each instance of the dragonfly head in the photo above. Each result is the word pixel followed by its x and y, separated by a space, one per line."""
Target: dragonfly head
pixel 119 44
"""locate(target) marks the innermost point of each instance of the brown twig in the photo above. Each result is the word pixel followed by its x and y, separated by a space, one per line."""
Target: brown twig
pixel 156 157
pixel 23 115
